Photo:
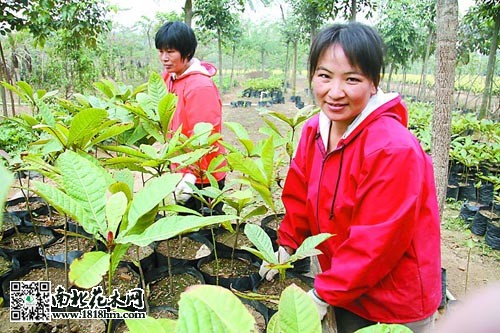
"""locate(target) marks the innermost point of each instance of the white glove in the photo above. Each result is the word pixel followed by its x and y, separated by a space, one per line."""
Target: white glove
pixel 321 305
pixel 183 191
pixel 266 272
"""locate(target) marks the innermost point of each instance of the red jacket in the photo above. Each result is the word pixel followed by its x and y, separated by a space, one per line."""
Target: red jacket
pixel 375 192
pixel 198 101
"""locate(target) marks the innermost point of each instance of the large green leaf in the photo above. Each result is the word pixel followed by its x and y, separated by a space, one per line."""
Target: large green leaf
pixel 67 205
pixel 88 270
pixel 267 160
pixel 246 166
pixel 206 308
pixel 261 241
pixel 297 312
pixel 166 110
pixel 112 132
pixel 307 248
pixel 84 123
pixel 115 209
pixel 385 328
pixel 87 183
pixel 150 324
pixel 171 226
pixel 156 89
pixel 6 180
pixel 150 196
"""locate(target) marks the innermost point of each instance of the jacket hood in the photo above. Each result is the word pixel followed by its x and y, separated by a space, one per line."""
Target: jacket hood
pixel 379 105
pixel 199 67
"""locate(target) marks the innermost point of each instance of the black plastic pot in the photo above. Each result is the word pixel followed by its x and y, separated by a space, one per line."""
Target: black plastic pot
pixel 240 282
pixel 478 224
pixel 266 222
pixel 492 236
pixel 158 274
pixel 467 212
pixel 452 192
pixel 485 194
pixel 467 191
pixel 32 253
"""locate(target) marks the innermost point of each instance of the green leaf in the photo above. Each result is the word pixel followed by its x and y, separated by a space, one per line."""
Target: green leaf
pixel 166 109
pixel 88 270
pixel 67 205
pixel 273 324
pixel 115 209
pixel 307 248
pixel 84 124
pixel 150 324
pixel 86 183
pixel 117 255
pixel 6 180
pixel 112 132
pixel 385 328
pixel 206 308
pixel 171 226
pixel 150 196
pixel 261 241
pixel 297 312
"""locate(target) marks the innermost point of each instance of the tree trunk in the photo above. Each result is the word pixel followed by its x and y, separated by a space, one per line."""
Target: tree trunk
pixel 353 10
pixel 423 77
pixel 388 85
pixel 9 80
pixel 490 70
pixel 447 21
pixel 294 70
pixel 231 78
pixel 188 12
pixel 219 42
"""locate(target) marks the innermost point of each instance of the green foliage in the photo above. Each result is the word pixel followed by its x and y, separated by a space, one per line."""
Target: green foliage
pixel 263 84
pixel 296 313
pixel 265 251
pixel 14 138
pixel 6 180
pixel 206 308
pixel 385 328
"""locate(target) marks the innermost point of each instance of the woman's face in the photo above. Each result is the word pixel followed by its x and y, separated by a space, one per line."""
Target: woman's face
pixel 172 60
pixel 341 90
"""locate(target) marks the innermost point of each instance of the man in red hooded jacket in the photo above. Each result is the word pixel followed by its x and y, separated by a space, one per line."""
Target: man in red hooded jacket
pixel 198 101
pixel 360 174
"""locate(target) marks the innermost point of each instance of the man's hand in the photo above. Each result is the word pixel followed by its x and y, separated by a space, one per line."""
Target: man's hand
pixel 321 305
pixel 183 191
pixel 266 272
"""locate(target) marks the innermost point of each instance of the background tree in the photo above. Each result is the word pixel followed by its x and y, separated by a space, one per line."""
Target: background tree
pixel 426 12
pixel 218 16
pixel 399 29
pixel 447 21
pixel 79 23
pixel 480 34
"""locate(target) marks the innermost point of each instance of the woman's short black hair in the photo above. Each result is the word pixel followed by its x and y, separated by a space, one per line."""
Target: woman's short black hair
pixel 178 36
pixel 361 43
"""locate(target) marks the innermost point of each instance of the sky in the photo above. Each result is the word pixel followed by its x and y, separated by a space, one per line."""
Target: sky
pixel 133 10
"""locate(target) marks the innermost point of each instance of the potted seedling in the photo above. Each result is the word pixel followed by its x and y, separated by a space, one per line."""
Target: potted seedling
pixel 264 250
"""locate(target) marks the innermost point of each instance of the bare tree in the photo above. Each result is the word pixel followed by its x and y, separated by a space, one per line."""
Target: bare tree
pixel 447 21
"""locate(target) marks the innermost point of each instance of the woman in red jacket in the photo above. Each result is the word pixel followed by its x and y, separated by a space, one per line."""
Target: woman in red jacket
pixel 359 174
pixel 198 100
